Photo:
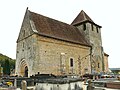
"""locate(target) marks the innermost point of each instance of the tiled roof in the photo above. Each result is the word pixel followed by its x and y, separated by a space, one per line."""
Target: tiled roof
pixel 83 17
pixel 55 29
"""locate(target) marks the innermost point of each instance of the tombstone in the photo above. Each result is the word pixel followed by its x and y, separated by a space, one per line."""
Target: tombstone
pixel 77 87
pixel 24 85
pixel 69 87
pixel 15 83
pixel 90 87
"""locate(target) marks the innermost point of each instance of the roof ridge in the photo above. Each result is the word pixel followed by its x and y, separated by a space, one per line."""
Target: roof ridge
pixel 49 17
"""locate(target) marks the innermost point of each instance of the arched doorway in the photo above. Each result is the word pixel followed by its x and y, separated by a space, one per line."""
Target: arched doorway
pixel 26 71
pixel 23 68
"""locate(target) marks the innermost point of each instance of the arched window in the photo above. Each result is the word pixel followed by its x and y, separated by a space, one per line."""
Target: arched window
pixel 71 62
pixel 98 65
pixel 26 71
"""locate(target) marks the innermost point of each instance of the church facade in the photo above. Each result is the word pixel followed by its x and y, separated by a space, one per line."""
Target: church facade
pixel 49 46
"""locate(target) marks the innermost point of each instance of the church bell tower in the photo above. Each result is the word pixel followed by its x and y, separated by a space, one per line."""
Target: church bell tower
pixel 92 33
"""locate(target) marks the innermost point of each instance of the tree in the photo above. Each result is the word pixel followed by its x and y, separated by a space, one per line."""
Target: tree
pixel 11 61
pixel 6 67
pixel 12 64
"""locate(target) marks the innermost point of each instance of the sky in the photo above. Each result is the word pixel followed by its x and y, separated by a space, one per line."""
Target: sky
pixel 105 13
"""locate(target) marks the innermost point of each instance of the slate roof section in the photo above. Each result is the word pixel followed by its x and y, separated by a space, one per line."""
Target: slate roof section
pixel 48 27
pixel 83 17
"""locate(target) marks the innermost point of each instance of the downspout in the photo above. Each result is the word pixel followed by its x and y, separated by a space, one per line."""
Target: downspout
pixel 91 58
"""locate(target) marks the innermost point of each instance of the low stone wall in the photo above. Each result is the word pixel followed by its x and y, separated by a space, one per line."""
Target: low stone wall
pixel 107 84
pixel 99 84
pixel 30 82
pixel 65 86
pixel 114 85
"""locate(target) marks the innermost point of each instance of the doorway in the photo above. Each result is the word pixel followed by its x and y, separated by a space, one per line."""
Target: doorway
pixel 26 71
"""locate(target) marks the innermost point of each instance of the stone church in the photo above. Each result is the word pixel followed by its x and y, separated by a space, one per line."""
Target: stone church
pixel 49 46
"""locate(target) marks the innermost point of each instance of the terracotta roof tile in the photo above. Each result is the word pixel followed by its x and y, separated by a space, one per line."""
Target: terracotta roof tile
pixel 83 17
pixel 56 29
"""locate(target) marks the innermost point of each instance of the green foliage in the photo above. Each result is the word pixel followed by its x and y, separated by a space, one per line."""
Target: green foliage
pixel 6 68
pixel 12 64
pixel 7 63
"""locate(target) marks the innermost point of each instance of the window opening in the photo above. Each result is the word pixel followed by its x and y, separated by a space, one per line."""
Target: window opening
pixel 97 29
pixel 23 44
pixel 71 62
pixel 98 65
pixel 24 33
pixel 84 26
pixel 92 27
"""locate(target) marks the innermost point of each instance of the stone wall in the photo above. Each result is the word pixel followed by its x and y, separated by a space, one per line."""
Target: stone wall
pixel 25 56
pixel 50 56
pixel 93 35
pixel 25 52
pixel 106 63
pixel 54 52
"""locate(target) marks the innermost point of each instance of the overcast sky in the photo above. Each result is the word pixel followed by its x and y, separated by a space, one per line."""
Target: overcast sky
pixel 105 13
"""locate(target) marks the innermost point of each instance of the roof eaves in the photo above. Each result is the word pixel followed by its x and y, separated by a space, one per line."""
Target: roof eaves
pixel 79 23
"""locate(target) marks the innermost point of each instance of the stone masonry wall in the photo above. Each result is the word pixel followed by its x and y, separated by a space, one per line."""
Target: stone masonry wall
pixel 106 63
pixel 94 38
pixel 25 52
pixel 53 52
